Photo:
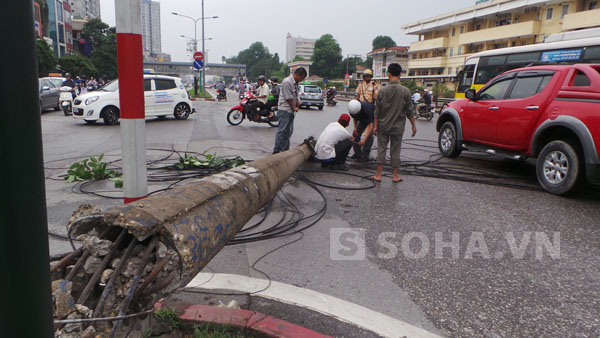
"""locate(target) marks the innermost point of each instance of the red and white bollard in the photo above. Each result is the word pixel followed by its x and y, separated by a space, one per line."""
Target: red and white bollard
pixel 131 98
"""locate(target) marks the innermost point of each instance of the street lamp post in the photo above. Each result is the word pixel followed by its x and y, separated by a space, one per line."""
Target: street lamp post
pixel 347 62
pixel 196 41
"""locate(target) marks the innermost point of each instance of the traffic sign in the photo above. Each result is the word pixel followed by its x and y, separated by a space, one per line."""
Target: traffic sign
pixel 198 56
pixel 198 65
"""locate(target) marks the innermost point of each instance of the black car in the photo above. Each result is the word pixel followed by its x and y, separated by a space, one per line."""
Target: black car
pixel 48 95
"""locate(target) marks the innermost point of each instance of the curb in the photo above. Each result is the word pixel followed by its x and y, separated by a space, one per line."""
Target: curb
pixel 258 323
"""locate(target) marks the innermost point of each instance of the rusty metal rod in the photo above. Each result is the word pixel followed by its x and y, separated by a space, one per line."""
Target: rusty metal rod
pixel 59 256
pixel 134 283
pixel 96 276
pixel 78 265
pixel 66 260
pixel 116 273
pixel 102 319
pixel 157 267
pixel 170 278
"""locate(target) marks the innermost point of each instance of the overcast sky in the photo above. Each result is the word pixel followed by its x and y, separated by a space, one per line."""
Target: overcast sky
pixel 353 23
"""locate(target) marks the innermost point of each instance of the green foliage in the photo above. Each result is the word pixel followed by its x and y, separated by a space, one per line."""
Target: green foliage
pixel 169 316
pixel 90 169
pixel 351 64
pixel 368 63
pixel 77 64
pixel 383 41
pixel 327 57
pixel 103 40
pixel 412 85
pixel 258 61
pixel 298 58
pixel 45 58
pixel 211 161
pixel 440 90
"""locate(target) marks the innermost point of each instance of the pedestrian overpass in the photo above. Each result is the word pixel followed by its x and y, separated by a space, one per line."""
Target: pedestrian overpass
pixel 185 69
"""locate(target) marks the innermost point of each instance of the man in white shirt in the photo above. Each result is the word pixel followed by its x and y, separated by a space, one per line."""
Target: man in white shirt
pixel 334 144
pixel 416 97
pixel 262 94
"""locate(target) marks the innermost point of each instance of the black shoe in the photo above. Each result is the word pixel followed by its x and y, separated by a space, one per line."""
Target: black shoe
pixel 339 167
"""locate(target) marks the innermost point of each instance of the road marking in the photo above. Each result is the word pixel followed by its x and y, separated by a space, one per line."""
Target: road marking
pixel 342 310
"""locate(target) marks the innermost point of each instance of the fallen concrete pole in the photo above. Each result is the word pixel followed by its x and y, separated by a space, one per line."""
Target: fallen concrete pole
pixel 185 227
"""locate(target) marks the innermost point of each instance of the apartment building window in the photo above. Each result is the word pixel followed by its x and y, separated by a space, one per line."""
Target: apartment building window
pixel 453 31
pixel 478 27
pixel 451 51
pixel 549 13
pixel 462 29
pixel 459 51
pixel 593 5
pixel 565 11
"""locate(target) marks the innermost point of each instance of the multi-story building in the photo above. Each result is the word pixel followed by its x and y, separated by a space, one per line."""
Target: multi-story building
pixel 446 40
pixel 383 57
pixel 68 17
pixel 59 27
pixel 85 9
pixel 151 27
pixel 298 47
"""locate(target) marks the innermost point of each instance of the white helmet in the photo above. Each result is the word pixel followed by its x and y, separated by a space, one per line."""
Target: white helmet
pixel 354 107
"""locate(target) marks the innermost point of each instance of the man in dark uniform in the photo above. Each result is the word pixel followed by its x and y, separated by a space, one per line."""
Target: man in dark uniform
pixel 363 117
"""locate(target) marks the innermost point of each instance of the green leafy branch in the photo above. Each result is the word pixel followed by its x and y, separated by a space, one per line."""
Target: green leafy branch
pixel 210 161
pixel 93 169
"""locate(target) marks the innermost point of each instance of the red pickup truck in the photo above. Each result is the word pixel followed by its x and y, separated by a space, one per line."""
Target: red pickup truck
pixel 551 113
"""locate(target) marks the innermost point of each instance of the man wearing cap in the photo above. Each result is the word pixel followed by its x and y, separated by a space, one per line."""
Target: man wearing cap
pixel 367 90
pixel 334 143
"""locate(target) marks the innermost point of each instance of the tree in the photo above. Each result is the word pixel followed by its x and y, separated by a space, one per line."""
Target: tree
pixel 350 64
pixel 45 58
pixel 77 65
pixel 383 41
pixel 298 58
pixel 326 57
pixel 258 61
pixel 103 43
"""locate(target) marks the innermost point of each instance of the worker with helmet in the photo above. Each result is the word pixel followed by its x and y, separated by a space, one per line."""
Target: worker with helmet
pixel 367 90
pixel 363 116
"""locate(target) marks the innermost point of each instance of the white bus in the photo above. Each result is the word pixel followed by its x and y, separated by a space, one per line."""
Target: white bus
pixel 563 48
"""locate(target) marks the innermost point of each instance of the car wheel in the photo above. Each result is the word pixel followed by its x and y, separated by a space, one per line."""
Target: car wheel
pixel 41 107
pixel 110 115
pixel 448 141
pixel 558 167
pixel 320 107
pixel 235 117
pixel 182 111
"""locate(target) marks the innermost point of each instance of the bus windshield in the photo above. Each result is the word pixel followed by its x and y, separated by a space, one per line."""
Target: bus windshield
pixel 465 78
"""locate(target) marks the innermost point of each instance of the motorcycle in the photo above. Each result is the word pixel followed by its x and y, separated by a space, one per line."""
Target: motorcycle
pixel 425 111
pixel 245 110
pixel 65 100
pixel 331 101
pixel 221 95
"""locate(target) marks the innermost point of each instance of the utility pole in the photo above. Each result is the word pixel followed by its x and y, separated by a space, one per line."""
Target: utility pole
pixel 26 297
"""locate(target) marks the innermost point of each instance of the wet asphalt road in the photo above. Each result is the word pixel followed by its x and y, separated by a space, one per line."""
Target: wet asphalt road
pixel 458 258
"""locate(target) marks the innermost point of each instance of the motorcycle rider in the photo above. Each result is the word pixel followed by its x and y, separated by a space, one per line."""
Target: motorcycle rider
pixel 68 82
pixel 426 100
pixel 330 94
pixel 262 93
pixel 221 89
